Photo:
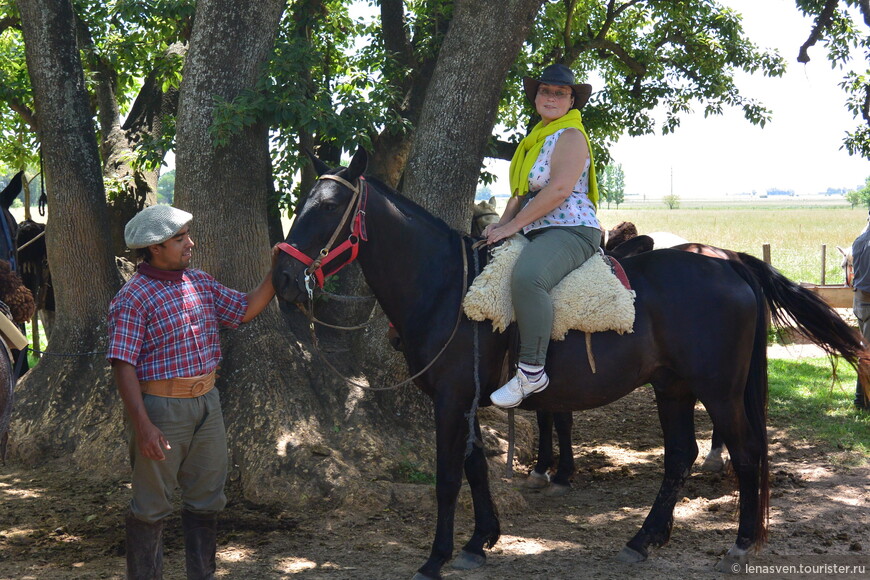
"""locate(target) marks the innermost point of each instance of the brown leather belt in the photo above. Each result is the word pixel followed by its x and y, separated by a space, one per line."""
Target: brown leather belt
pixel 180 387
pixel 863 296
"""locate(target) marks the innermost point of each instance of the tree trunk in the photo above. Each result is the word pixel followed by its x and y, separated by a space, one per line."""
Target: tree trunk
pixel 461 104
pixel 67 402
pixel 295 430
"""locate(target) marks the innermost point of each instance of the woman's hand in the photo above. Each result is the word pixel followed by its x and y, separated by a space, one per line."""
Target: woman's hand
pixel 499 233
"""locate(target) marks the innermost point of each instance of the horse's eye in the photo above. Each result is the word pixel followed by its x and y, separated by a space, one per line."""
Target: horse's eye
pixel 329 206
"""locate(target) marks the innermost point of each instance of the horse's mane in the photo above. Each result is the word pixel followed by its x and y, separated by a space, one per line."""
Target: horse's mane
pixel 408 207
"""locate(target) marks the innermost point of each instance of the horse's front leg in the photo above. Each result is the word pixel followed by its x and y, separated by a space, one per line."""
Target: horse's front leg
pixel 451 428
pixel 487 528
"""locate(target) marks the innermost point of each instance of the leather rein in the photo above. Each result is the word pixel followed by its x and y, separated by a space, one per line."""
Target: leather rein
pixel 314 273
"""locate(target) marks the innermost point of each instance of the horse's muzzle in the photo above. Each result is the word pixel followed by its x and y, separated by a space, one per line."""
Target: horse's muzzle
pixel 289 283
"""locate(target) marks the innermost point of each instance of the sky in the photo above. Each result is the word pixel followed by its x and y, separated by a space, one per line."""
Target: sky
pixel 800 149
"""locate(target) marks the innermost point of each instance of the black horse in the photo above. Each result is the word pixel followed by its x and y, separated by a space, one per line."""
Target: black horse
pixel 700 333
pixel 558 482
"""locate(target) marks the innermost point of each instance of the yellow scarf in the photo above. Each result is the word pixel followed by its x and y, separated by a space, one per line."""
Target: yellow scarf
pixel 529 148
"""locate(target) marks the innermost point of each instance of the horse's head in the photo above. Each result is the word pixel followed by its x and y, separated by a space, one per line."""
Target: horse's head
pixel 846 264
pixel 483 213
pixel 323 223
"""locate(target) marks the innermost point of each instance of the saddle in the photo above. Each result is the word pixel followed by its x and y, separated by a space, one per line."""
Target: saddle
pixel 592 298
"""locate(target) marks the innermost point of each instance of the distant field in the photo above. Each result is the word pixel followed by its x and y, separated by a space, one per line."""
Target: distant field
pixel 795 234
pixel 795 229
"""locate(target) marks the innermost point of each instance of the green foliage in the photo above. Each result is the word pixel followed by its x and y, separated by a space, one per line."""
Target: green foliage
pixel 817 409
pixel 166 188
pixel 847 44
pixel 410 472
pixel 860 196
pixel 611 184
pixel 672 201
pixel 654 58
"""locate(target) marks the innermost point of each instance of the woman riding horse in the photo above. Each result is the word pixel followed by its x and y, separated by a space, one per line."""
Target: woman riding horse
pixel 553 198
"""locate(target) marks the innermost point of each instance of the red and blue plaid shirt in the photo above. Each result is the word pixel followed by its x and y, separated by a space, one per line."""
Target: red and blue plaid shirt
pixel 169 328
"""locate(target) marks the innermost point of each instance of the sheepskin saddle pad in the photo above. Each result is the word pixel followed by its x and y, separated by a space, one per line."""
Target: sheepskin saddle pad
pixel 590 299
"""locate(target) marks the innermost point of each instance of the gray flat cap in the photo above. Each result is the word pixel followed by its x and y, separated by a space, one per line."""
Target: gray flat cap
pixel 154 225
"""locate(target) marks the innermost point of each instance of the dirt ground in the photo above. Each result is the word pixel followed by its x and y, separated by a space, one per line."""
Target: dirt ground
pixel 58 523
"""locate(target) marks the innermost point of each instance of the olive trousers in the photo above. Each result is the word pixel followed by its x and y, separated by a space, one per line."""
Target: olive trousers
pixel 196 463
pixel 551 254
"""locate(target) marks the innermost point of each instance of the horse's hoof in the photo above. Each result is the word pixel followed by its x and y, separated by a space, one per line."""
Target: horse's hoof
pixel 537 480
pixel 734 562
pixel 629 556
pixel 713 464
pixel 468 561
pixel 557 490
pixel 419 576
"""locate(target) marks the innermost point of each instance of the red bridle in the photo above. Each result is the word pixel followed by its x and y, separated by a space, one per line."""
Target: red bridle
pixel 357 233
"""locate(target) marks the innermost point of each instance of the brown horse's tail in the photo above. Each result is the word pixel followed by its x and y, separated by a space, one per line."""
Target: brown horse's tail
pixel 793 305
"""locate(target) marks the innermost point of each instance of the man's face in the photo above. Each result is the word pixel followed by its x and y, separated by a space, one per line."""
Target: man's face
pixel 174 253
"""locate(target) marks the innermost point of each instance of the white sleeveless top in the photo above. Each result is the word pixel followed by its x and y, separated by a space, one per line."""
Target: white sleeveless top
pixel 577 209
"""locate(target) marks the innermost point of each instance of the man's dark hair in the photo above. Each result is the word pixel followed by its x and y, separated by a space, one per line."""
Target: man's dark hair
pixel 142 255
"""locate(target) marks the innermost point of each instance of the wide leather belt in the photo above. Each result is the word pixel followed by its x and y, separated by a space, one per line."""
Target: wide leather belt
pixel 180 387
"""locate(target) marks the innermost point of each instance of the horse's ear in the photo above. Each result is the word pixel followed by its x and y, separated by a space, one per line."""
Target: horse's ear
pixel 358 164
pixel 319 166
pixel 492 201
pixel 8 195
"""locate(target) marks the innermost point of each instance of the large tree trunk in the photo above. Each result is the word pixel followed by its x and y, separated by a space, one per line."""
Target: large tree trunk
pixel 455 123
pixel 461 104
pixel 67 405
pixel 295 431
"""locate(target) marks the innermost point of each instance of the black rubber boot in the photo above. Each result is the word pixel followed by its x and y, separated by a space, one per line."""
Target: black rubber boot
pixel 200 544
pixel 144 549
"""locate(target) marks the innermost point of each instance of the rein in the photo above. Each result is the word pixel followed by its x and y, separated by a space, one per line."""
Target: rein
pixel 310 313
pixel 357 205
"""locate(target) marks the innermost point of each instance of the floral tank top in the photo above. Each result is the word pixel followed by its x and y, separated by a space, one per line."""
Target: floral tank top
pixel 577 209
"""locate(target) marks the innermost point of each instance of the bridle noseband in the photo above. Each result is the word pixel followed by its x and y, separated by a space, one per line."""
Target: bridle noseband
pixel 328 253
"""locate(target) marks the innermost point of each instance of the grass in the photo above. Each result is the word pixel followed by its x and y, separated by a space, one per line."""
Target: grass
pixel 815 409
pixel 795 233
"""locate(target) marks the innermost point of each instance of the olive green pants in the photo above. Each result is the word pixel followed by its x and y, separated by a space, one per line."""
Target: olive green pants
pixel 550 255
pixel 196 464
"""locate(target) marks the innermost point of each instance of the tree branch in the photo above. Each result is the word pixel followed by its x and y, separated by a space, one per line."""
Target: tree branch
pixel 25 112
pixel 823 21
pixel 9 22
pixel 395 32
pixel 865 10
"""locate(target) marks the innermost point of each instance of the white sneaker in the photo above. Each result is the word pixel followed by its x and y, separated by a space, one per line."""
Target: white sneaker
pixel 517 389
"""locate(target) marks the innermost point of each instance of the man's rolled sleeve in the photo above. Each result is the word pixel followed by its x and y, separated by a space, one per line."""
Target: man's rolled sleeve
pixel 126 332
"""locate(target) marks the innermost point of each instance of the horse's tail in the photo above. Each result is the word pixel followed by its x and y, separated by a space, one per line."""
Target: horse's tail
pixel 755 400
pixel 793 305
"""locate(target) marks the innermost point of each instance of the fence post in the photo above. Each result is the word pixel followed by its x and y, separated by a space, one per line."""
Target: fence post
pixel 824 252
pixel 765 253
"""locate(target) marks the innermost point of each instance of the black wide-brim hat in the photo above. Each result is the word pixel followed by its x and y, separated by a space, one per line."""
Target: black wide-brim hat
pixel 558 74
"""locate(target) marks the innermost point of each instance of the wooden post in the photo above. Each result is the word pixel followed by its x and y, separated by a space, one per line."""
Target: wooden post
pixel 824 251
pixel 765 253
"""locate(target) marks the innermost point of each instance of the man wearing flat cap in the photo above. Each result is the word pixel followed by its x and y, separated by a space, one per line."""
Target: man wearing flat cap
pixel 164 349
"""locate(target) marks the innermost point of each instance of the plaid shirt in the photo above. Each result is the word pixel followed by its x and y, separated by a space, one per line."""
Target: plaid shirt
pixel 169 328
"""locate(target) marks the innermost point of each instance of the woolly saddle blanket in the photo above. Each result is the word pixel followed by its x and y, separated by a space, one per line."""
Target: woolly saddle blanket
pixel 589 299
